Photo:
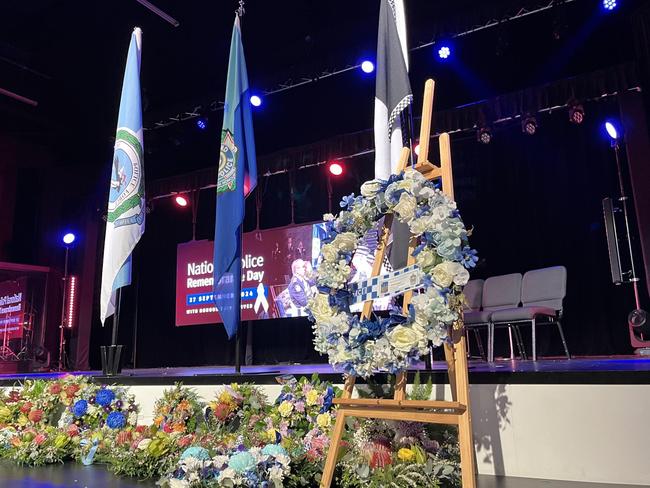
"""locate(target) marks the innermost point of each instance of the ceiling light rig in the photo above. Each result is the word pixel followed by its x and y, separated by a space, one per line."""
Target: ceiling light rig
pixel 529 125
pixel 484 135
pixel 576 112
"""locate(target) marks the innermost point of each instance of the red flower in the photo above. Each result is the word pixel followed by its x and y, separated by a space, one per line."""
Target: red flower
pixel 185 441
pixel 73 430
pixel 55 388
pixel 380 455
pixel 39 439
pixel 70 390
pixel 35 415
pixel 222 411
pixel 140 429
pixel 168 428
pixel 14 396
pixel 26 407
pixel 124 437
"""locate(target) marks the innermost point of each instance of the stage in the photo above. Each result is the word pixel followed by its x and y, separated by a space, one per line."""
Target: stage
pixel 554 419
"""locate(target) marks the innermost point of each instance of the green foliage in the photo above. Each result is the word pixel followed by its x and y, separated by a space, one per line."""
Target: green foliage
pixel 420 391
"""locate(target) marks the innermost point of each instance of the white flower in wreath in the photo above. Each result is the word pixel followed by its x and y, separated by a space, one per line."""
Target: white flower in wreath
pixel 461 275
pixel 370 189
pixel 176 483
pixel 328 217
pixel 426 259
pixel 415 176
pixel 420 225
pixel 347 242
pixel 320 308
pixel 329 252
pixel 405 338
pixel 443 274
pixel 405 208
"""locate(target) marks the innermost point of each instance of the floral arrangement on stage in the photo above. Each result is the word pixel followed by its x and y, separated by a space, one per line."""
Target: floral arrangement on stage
pixel 400 454
pixel 179 410
pixel 236 406
pixel 256 443
pixel 267 466
pixel 394 343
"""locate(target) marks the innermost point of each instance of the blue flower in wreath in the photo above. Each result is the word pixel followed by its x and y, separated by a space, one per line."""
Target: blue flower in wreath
pixel 116 420
pixel 273 450
pixel 242 462
pixel 80 408
pixel 469 257
pixel 104 397
pixel 347 201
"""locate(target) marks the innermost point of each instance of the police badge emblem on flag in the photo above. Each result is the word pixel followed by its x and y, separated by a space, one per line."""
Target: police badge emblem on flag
pixel 227 176
pixel 126 196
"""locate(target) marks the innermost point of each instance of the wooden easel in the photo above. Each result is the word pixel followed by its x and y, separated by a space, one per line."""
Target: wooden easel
pixel 399 408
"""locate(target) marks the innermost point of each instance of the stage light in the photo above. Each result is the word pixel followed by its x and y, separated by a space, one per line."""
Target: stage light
pixel 609 4
pixel 416 149
pixel 181 201
pixel 444 52
pixel 367 66
pixel 256 101
pixel 336 169
pixel 69 238
pixel 576 113
pixel 484 135
pixel 71 308
pixel 610 127
pixel 202 123
pixel 529 125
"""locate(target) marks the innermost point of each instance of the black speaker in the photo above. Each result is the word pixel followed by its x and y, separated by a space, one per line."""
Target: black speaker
pixel 612 241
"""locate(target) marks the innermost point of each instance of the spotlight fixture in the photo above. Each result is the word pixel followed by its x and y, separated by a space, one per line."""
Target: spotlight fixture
pixel 201 123
pixel 576 112
pixel 416 149
pixel 484 135
pixel 367 66
pixel 529 125
pixel 71 299
pixel 444 52
pixel 609 4
pixel 612 131
pixel 69 238
pixel 336 169
pixel 181 200
pixel 256 101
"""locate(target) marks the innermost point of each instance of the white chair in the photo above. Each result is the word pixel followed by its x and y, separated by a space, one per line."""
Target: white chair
pixel 473 292
pixel 542 295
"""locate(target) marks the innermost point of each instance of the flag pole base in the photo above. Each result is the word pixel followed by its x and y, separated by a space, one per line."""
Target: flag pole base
pixel 111 360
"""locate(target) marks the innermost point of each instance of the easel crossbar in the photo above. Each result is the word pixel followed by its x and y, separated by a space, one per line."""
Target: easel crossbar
pixel 385 402
pixel 409 415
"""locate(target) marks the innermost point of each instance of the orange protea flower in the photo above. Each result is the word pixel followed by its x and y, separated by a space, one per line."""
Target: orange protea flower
pixel 184 405
pixel 164 410
pixel 71 390
pixel 380 455
pixel 55 388
pixel 35 415
pixel 15 441
pixel 26 407
pixel 178 427
pixel 158 420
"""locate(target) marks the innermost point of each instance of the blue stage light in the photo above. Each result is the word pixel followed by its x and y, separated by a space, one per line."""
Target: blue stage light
pixel 367 66
pixel 256 101
pixel 444 52
pixel 610 127
pixel 69 238
pixel 201 123
pixel 609 4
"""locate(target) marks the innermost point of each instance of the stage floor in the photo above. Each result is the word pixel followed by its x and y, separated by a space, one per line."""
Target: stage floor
pixel 581 370
pixel 74 475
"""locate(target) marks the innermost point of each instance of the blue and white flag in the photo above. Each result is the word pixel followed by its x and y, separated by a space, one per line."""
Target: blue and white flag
pixel 126 203
pixel 237 177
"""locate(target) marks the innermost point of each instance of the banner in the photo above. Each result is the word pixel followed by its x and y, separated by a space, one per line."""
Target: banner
pixel 12 308
pixel 277 274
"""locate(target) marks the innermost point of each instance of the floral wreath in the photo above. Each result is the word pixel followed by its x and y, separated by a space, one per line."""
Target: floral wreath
pixel 394 343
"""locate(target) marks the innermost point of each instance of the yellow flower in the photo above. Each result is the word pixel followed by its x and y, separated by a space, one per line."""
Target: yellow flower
pixel 5 413
pixel 61 441
pixel 285 408
pixel 225 397
pixel 312 397
pixel 324 420
pixel 405 454
pixel 271 435
pixel 22 420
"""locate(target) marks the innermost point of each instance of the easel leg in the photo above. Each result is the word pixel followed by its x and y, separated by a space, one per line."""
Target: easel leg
pixel 333 453
pixel 465 436
pixel 451 356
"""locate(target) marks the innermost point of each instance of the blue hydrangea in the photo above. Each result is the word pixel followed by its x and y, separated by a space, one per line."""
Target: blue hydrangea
pixel 80 408
pixel 273 450
pixel 104 397
pixel 196 452
pixel 116 420
pixel 242 462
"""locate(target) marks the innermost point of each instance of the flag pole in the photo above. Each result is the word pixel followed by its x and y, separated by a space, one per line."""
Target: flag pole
pixel 116 316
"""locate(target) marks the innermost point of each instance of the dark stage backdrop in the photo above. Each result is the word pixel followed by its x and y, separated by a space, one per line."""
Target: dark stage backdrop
pixel 534 201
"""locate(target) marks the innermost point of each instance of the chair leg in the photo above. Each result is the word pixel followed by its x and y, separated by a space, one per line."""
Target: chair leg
pixel 490 342
pixel 520 342
pixel 469 348
pixel 479 344
pixel 566 349
pixel 534 341
pixel 512 349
